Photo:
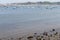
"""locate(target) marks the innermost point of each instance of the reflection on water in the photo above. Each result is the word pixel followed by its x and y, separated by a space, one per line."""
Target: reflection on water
pixel 23 18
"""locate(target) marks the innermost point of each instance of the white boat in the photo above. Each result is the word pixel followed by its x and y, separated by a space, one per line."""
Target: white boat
pixel 32 7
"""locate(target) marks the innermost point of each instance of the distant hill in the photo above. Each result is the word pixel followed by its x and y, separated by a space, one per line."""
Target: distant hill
pixel 34 3
pixel 45 2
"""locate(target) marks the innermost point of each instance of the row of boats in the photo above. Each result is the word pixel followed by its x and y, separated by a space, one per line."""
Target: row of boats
pixel 32 7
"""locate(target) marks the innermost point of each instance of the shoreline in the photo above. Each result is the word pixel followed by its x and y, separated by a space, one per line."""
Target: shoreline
pixel 24 36
pixel 29 5
pixel 31 30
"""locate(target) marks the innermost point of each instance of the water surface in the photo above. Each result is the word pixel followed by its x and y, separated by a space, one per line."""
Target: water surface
pixel 28 19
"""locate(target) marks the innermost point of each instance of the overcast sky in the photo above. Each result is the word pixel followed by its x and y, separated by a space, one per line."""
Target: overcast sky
pixel 12 1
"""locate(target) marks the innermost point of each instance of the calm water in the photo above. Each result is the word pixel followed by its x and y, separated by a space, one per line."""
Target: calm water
pixel 23 19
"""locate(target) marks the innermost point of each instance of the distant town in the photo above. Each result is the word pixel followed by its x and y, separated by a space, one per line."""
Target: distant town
pixel 31 3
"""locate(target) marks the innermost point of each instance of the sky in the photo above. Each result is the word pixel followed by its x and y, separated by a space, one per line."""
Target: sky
pixel 12 1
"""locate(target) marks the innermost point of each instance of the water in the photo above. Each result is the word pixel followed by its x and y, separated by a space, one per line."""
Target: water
pixel 28 19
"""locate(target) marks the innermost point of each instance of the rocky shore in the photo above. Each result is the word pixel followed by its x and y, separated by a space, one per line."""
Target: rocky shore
pixel 52 35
